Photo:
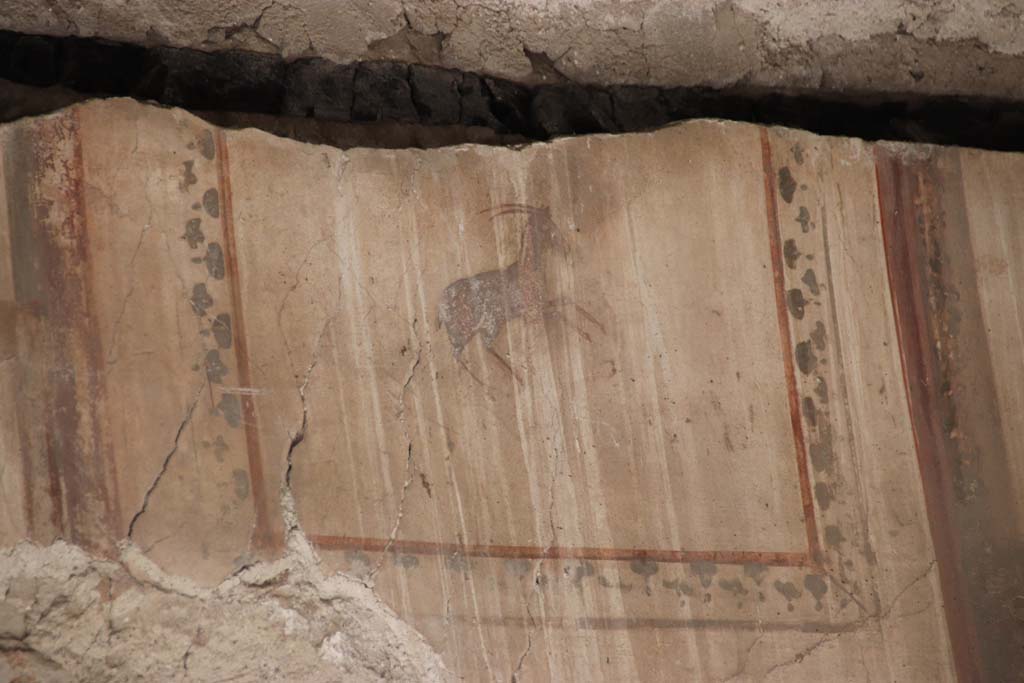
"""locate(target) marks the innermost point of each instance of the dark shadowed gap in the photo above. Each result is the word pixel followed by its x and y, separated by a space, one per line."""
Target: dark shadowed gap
pixel 389 104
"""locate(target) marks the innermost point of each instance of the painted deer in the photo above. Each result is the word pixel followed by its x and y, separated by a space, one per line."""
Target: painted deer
pixel 483 303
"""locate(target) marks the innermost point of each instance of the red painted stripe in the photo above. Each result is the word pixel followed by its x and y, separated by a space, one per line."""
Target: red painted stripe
pixel 262 537
pixel 898 216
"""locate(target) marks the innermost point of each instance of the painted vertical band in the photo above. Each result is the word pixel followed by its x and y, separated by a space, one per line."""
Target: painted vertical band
pixel 261 534
pixel 775 246
pixel 899 213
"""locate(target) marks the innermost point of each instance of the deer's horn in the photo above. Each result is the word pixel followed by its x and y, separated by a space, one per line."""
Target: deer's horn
pixel 503 209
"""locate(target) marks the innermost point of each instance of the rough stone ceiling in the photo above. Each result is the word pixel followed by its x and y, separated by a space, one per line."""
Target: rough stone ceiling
pixel 957 47
pixel 505 72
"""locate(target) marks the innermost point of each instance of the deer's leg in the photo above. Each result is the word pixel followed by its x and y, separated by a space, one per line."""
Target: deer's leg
pixel 506 364
pixel 553 308
pixel 465 367
pixel 488 337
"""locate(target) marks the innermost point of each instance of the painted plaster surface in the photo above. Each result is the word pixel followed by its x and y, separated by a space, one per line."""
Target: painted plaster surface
pixel 612 408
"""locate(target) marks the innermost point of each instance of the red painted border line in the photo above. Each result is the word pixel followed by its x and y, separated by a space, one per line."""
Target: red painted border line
pixel 810 559
pixel 909 303
pixel 261 534
pixel 528 552
pixel 775 243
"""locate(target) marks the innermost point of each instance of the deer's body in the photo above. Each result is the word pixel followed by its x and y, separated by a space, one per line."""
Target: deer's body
pixel 483 303
pixel 480 304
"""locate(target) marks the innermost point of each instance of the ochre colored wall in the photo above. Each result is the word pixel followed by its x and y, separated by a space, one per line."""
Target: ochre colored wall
pixel 714 401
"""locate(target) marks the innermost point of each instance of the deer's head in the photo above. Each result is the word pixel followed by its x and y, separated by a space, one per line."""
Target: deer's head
pixel 543 231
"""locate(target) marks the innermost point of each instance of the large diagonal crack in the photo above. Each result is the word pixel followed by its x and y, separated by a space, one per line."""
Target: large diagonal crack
pixel 410 464
pixel 744 659
pixel 167 458
pixel 899 595
pixel 803 654
pixel 514 678
pixel 526 650
pixel 409 467
pixel 297 437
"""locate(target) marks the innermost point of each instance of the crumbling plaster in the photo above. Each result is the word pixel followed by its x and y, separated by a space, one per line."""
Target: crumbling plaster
pixel 956 47
pixel 68 616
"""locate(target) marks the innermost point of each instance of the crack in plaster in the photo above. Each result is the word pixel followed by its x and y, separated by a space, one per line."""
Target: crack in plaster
pixel 876 617
pixel 112 356
pixel 410 464
pixel 167 459
pixel 299 435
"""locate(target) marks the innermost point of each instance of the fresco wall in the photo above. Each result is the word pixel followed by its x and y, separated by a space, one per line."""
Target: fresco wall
pixel 717 402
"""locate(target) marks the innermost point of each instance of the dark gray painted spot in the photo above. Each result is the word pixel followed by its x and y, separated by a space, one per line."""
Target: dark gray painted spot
pixel 206 146
pixel 788 591
pixel 200 299
pixel 240 478
pixel 817 587
pixel 834 536
pixel 791 253
pixel 231 408
pixel 357 557
pixel 787 185
pixel 517 566
pixel 214 260
pixel 622 587
pixel 644 567
pixel 756 571
pixel 407 561
pixel 822 457
pixel 795 302
pixel 823 494
pixel 457 563
pixel 705 572
pixel 679 586
pixel 818 336
pixel 584 570
pixel 805 358
pixel 188 177
pixel 216 371
pixel 220 447
pixel 211 202
pixel 803 217
pixel 811 280
pixel 222 330
pixel 809 410
pixel 734 586
pixel 193 233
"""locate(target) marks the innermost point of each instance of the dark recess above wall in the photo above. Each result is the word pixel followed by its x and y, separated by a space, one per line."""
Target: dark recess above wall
pixel 246 82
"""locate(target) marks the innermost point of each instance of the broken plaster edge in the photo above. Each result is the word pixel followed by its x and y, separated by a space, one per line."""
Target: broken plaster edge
pixel 906 149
